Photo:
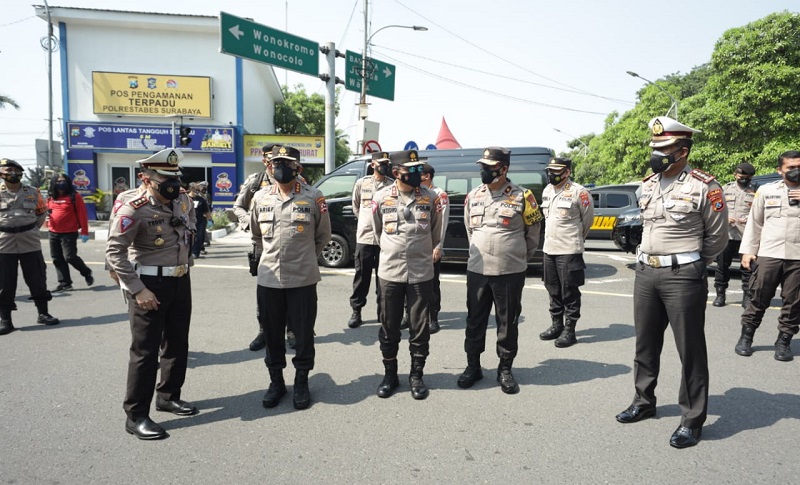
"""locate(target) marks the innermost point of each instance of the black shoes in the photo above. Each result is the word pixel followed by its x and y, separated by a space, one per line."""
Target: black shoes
pixel 47 319
pixel 390 380
pixel 63 287
pixel 472 373
pixel 553 332
pixel 355 319
pixel 274 394
pixel 744 346
pixel 178 407
pixel 418 389
pixel 635 413
pixel 567 338
pixel 291 340
pixel 433 326
pixel 6 326
pixel 145 429
pixel 684 437
pixel 302 396
pixel 89 279
pixel 720 299
pixel 783 347
pixel 258 343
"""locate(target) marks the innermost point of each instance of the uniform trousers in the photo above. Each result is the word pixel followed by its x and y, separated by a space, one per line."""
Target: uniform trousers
pixel 768 274
pixel 165 330
pixel 199 235
pixel 675 296
pixel 436 295
pixel 722 275
pixel 366 261
pixel 504 292
pixel 395 296
pixel 296 307
pixel 564 274
pixel 34 272
pixel 64 251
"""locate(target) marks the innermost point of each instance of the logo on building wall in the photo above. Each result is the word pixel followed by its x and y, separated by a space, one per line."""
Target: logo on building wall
pixel 223 183
pixel 151 83
pixel 80 179
pixel 171 83
pixel 120 185
pixel 133 82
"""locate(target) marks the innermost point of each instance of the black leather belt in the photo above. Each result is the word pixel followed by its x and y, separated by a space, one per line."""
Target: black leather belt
pixel 17 229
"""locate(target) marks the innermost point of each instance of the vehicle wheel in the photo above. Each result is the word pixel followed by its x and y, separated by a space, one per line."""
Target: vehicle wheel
pixel 336 253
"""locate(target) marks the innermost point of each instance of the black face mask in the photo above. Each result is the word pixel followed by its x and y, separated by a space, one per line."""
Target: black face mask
pixel 555 178
pixel 412 179
pixel 660 161
pixel 62 186
pixel 283 174
pixel 488 175
pixel 169 189
pixel 382 168
pixel 743 182
pixel 792 175
pixel 13 178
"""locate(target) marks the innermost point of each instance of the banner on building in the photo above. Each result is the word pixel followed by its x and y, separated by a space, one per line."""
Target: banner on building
pixel 131 94
pixel 312 148
pixel 109 136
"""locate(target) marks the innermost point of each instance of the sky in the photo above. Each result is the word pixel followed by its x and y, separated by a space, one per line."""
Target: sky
pixel 502 72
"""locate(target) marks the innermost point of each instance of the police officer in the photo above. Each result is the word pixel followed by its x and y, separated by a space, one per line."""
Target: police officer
pixel 407 221
pixel 739 196
pixel 289 224
pixel 770 238
pixel 367 249
pixel 503 224
pixel 685 228
pixel 22 213
pixel 428 173
pixel 568 212
pixel 148 251
pixel 241 208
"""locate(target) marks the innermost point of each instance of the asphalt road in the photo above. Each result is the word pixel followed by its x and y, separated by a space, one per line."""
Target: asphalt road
pixel 61 391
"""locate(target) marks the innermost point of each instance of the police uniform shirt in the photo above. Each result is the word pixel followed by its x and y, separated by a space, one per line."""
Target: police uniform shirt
pixel 149 233
pixel 688 214
pixel 773 229
pixel 503 229
pixel 738 199
pixel 444 208
pixel 22 208
pixel 408 226
pixel 241 207
pixel 291 231
pixel 568 213
pixel 363 192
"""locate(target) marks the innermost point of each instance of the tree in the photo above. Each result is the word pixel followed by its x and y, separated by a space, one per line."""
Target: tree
pixel 6 100
pixel 304 114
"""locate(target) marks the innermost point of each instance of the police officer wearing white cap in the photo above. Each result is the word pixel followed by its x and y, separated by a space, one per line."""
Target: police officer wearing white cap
pixel 22 213
pixel 739 196
pixel 406 218
pixel 290 226
pixel 149 254
pixel 685 228
pixel 503 224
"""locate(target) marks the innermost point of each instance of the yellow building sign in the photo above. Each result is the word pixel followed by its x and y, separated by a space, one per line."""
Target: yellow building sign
pixel 312 148
pixel 129 94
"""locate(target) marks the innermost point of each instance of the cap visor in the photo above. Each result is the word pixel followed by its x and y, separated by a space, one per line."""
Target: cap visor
pixel 486 161
pixel 168 173
pixel 662 143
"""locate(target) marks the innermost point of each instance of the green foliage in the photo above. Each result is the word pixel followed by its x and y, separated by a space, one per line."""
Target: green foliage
pixel 6 100
pixel 304 114
pixel 219 219
pixel 100 198
pixel 37 177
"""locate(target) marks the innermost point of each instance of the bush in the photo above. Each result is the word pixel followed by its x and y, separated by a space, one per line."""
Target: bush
pixel 219 219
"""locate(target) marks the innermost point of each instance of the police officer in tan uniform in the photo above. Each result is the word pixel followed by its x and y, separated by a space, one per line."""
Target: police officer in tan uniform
pixel 568 212
pixel 503 225
pixel 290 226
pixel 772 238
pixel 241 208
pixel 148 251
pixel 22 213
pixel 685 228
pixel 367 249
pixel 406 218
pixel 739 196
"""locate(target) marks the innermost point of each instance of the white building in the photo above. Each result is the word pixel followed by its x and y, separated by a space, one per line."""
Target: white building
pixel 127 76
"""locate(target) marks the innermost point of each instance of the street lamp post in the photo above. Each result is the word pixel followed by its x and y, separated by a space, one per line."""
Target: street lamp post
pixel 674 101
pixel 585 148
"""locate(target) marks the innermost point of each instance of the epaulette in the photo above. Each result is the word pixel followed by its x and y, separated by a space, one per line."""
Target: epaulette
pixel 704 177
pixel 649 177
pixel 136 203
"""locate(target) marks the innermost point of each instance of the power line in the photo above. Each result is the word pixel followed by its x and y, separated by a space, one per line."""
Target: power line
pixel 17 21
pixel 567 90
pixel 492 53
pixel 347 27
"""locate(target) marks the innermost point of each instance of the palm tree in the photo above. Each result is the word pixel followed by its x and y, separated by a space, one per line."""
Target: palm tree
pixel 5 100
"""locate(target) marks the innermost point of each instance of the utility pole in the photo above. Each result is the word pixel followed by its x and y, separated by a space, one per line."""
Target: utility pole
pixel 49 86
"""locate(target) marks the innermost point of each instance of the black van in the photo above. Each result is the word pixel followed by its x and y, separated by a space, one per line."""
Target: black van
pixel 456 173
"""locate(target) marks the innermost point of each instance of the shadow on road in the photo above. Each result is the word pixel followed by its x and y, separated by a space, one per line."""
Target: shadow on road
pixel 615 331
pixel 555 372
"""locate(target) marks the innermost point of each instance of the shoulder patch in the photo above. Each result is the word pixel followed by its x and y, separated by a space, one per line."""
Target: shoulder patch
pixel 139 202
pixel 649 177
pixel 704 177
pixel 531 214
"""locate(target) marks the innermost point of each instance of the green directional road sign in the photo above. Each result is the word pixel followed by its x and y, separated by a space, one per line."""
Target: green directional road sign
pixel 380 76
pixel 245 38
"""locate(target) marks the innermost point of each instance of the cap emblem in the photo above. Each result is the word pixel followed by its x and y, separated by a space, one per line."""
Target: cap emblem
pixel 658 128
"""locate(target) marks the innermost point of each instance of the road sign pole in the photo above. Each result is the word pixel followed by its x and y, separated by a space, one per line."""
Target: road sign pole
pixel 330 109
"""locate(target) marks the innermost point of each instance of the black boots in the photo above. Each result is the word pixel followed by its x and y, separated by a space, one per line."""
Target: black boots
pixel 567 338
pixel 783 347
pixel 744 346
pixel 390 381
pixel 555 329
pixel 472 373
pixel 418 389
pixel 720 299
pixel 506 378
pixel 260 341
pixel 302 396
pixel 277 389
pixel 6 326
pixel 355 319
